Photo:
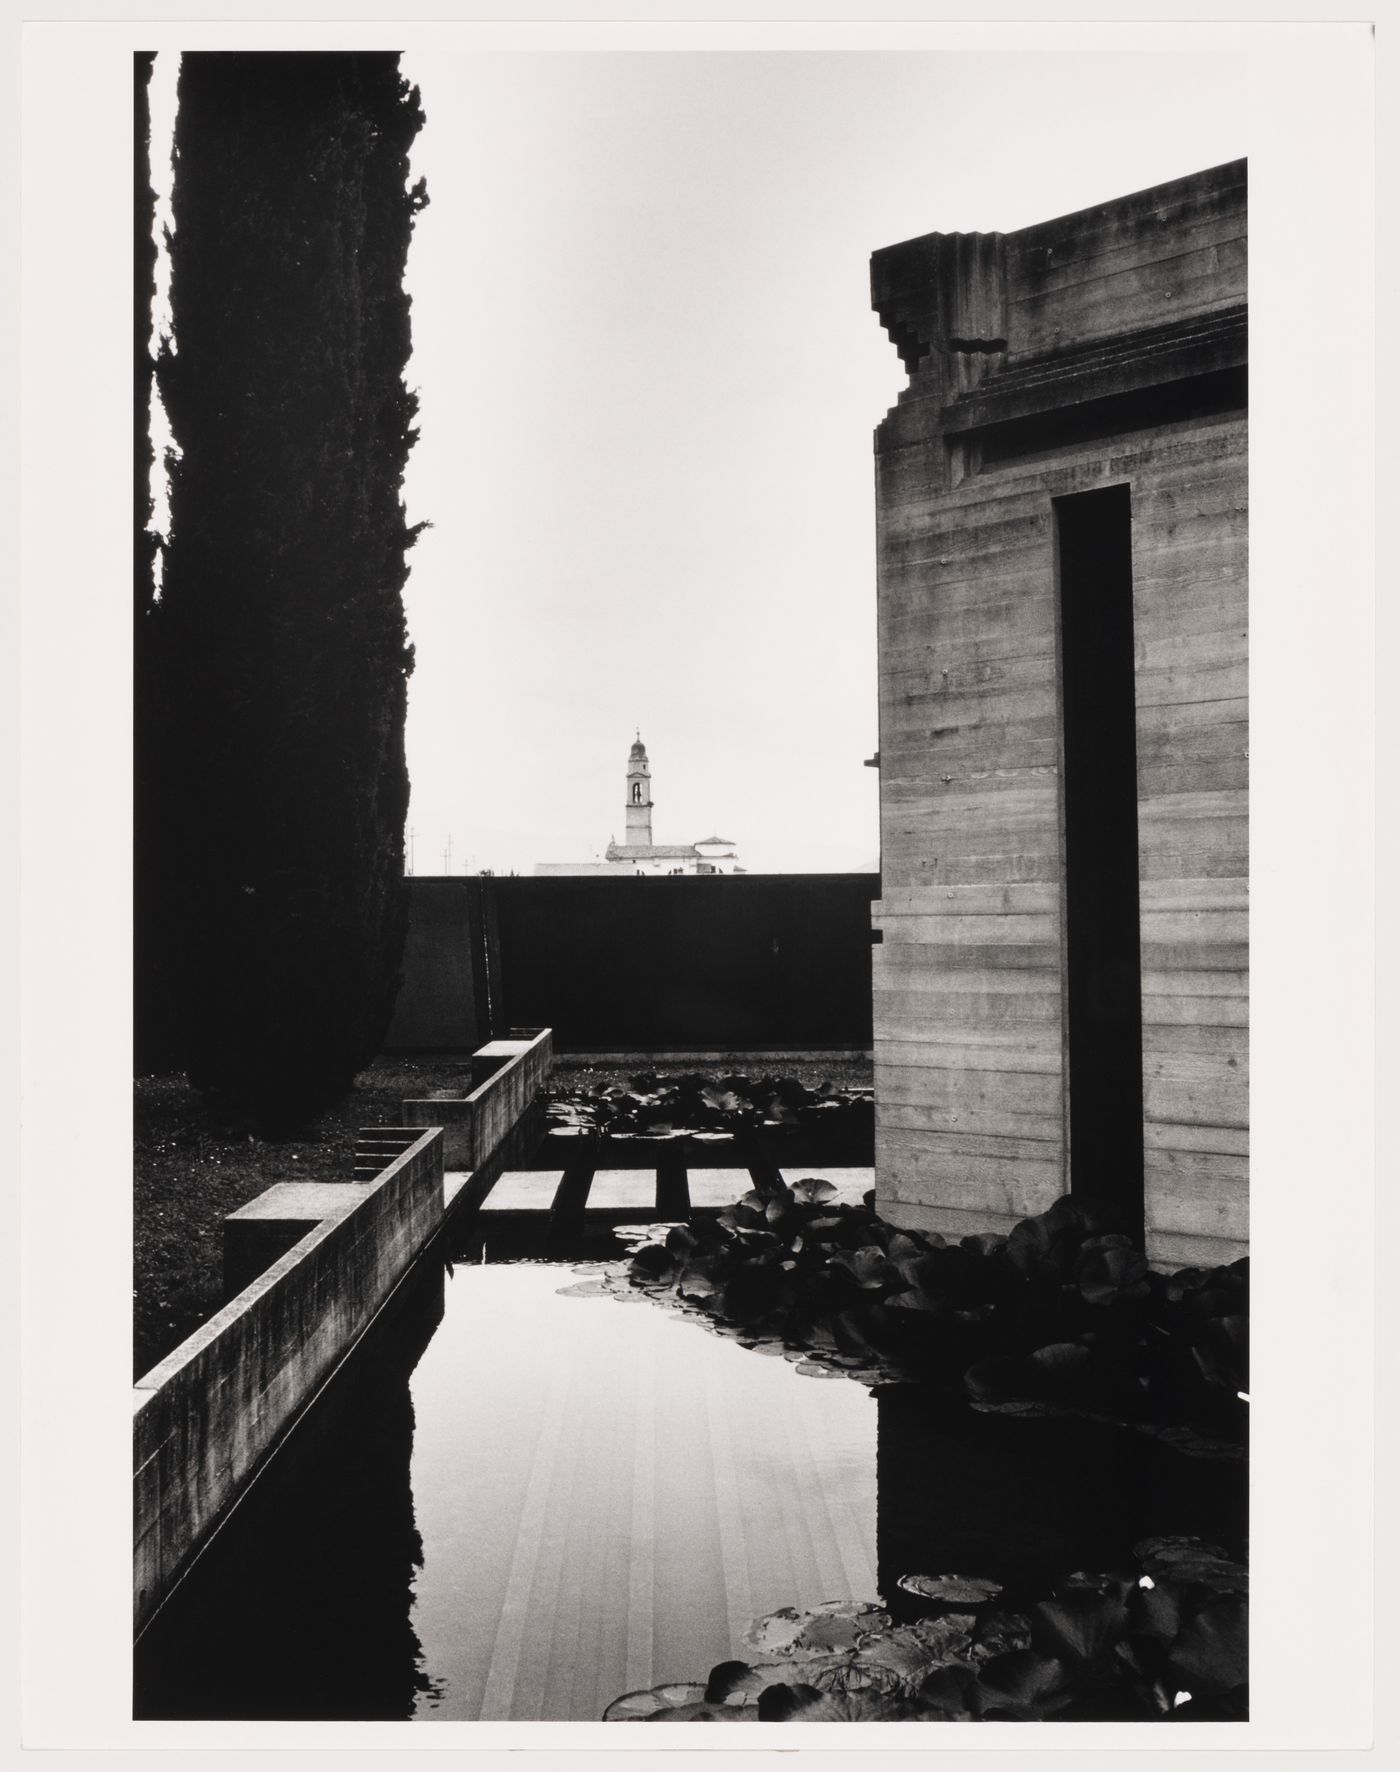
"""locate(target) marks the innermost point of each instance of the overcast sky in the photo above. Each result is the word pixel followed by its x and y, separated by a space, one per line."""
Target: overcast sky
pixel 649 373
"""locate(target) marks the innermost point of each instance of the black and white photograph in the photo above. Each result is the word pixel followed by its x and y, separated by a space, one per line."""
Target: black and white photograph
pixel 682 740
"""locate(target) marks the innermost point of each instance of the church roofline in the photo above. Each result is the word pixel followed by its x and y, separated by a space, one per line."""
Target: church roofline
pixel 651 851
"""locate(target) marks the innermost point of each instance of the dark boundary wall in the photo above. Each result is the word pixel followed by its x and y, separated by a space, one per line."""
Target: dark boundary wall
pixel 442 1005
pixel 742 963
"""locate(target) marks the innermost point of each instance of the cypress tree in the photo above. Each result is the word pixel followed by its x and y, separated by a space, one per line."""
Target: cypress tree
pixel 156 1018
pixel 143 298
pixel 283 653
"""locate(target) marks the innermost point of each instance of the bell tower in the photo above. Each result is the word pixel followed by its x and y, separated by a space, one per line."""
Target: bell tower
pixel 638 832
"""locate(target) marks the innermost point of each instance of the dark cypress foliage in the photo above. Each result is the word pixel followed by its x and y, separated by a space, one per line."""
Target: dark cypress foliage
pixel 283 648
pixel 143 297
pixel 156 1025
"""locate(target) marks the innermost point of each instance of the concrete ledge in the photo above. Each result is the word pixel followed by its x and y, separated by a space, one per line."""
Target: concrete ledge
pixel 474 1126
pixel 262 1232
pixel 207 1417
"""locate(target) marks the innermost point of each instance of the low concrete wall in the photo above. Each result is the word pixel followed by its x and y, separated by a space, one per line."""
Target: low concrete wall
pixel 272 1225
pixel 474 1125
pixel 209 1414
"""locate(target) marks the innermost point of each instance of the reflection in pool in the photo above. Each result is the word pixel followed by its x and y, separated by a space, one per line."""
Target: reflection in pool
pixel 607 1496
pixel 519 1505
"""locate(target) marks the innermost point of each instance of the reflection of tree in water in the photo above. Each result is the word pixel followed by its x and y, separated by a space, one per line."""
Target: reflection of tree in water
pixel 301 1607
pixel 1028 1502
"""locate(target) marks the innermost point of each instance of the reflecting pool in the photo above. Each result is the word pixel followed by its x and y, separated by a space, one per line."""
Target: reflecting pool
pixel 523 1499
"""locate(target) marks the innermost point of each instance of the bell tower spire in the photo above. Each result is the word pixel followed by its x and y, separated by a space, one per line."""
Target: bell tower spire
pixel 638 830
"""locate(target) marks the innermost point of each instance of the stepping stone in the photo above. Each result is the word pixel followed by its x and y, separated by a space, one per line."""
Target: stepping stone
pixel 711 1190
pixel 623 1190
pixel 523 1190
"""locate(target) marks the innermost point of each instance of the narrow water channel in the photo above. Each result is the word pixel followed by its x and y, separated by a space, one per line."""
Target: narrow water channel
pixel 519 1504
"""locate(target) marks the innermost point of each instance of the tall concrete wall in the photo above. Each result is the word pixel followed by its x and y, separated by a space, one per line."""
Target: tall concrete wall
pixel 1101 349
pixel 208 1415
pixel 441 1002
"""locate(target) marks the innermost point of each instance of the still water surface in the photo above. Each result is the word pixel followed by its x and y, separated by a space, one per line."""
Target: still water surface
pixel 608 1495
pixel 520 1505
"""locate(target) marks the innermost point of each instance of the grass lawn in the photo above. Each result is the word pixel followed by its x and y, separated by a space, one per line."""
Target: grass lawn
pixel 195 1163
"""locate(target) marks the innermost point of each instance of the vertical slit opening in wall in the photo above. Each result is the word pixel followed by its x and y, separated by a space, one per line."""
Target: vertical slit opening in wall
pixel 1103 963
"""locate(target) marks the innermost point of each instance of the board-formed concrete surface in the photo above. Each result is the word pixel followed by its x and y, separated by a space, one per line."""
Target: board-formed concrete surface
pixel 211 1412
pixel 314 1263
pixel 512 1072
pixel 1099 353
pixel 266 1228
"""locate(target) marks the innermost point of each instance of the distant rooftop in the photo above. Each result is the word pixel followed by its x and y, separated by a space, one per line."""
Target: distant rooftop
pixel 653 851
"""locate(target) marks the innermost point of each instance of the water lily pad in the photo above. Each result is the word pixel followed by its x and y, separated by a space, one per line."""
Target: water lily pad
pixel 1187 1561
pixel 1178 1550
pixel 743 1680
pixel 1000 1632
pixel 905 1657
pixel 1023 1684
pixel 913 1298
pixel 1081 1625
pixel 868 1267
pixel 951 1590
pixel 638 1234
pixel 813 1192
pixel 851 1674
pixel 950 1692
pixel 1212 1653
pixel 835 1626
pixel 838 1631
pixel 587 1289
pixel 723 1101
pixel 777 1631
pixel 1060 1360
pixel 804 1703
pixel 946 1632
pixel 641 1706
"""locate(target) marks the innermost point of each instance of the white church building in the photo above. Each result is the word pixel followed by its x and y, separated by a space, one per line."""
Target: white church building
pixel 638 854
